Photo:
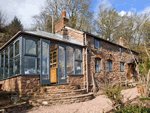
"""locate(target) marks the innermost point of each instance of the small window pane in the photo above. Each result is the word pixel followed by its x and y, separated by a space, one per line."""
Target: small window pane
pixel 122 66
pixel 77 67
pixel 107 65
pixel 1 69
pixel 30 46
pixel 45 58
pixel 2 64
pixel 38 59
pixel 11 61
pixel 69 56
pixel 17 48
pixel 6 63
pixel 97 44
pixel 97 65
pixel 77 53
pixel 120 50
pixel 110 65
pixel 17 66
pixel 29 65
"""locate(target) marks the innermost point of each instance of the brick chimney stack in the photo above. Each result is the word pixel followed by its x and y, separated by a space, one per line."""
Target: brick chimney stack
pixel 63 14
pixel 59 25
pixel 121 41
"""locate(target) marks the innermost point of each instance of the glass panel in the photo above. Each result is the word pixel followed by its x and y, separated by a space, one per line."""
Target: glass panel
pixel 29 65
pixel 30 46
pixel 77 67
pixel 122 66
pixel 11 61
pixel 38 59
pixel 17 48
pixel 110 65
pixel 1 76
pixel 107 66
pixel 61 62
pixel 78 54
pixel 69 55
pixel 120 50
pixel 2 64
pixel 45 58
pixel 97 45
pixel 97 65
pixel 17 66
pixel 6 63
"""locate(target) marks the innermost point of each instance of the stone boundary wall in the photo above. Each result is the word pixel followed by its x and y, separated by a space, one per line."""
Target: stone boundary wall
pixel 76 80
pixel 23 84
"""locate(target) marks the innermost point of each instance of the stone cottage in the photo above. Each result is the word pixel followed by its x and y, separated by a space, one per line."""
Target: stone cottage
pixel 70 56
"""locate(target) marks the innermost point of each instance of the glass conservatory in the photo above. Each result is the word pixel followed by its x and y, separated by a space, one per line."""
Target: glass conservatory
pixel 51 56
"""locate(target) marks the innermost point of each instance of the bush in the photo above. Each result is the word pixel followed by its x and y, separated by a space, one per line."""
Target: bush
pixel 142 99
pixel 114 94
pixel 133 109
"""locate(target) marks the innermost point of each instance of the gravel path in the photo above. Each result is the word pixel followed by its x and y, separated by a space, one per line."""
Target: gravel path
pixel 97 105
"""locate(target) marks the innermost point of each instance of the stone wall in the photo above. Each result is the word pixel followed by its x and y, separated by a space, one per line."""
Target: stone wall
pixel 22 84
pixel 107 51
pixel 76 80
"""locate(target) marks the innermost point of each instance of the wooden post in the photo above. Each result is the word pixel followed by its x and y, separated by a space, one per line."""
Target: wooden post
pixel 94 86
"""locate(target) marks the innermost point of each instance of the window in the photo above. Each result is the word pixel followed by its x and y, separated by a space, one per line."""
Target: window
pixel 2 64
pixel 120 50
pixel 16 59
pixel 97 44
pixel 30 57
pixel 16 48
pixel 11 61
pixel 6 63
pixel 17 65
pixel 131 53
pixel 29 65
pixel 69 55
pixel 45 58
pixel 97 65
pixel 122 66
pixel 1 68
pixel 109 65
pixel 30 46
pixel 77 53
pixel 38 56
pixel 78 61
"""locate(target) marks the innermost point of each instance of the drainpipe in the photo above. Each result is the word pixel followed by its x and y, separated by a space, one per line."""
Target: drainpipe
pixel 87 83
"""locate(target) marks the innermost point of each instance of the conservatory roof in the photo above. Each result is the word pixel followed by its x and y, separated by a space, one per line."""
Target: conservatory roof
pixel 45 35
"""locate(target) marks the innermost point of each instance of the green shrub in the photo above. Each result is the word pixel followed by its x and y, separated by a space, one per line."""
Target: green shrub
pixel 133 109
pixel 142 99
pixel 114 94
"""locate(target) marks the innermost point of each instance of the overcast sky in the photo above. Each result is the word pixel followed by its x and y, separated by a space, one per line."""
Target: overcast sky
pixel 25 9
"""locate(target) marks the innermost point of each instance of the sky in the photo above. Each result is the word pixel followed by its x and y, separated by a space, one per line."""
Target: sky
pixel 25 9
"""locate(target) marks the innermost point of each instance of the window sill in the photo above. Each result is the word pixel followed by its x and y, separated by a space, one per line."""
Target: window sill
pixel 75 75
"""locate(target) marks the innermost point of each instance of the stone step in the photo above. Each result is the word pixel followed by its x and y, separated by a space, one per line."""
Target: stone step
pixel 62 87
pixel 62 100
pixel 58 88
pixel 59 94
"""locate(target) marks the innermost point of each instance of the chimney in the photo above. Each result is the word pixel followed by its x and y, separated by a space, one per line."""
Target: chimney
pixel 121 41
pixel 59 25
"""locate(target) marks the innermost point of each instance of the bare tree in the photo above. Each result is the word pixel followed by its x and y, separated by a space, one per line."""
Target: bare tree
pixel 78 12
pixel 3 20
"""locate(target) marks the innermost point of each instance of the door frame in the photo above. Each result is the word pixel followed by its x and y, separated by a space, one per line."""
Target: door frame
pixel 48 62
pixel 60 80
